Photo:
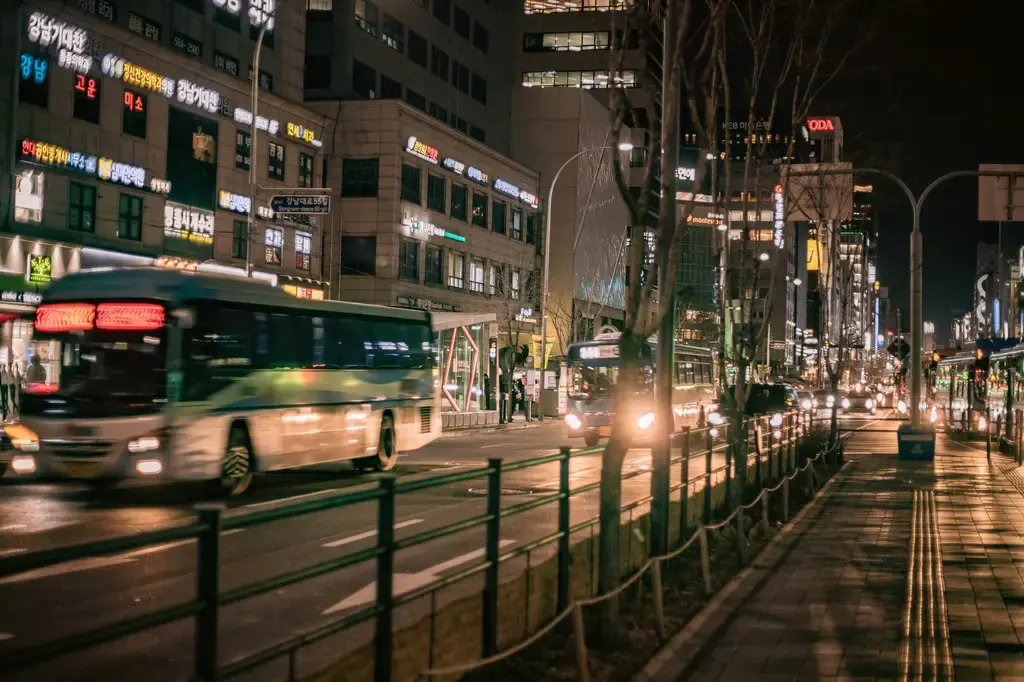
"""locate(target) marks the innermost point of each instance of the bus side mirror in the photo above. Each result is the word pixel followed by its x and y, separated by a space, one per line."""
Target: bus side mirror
pixel 186 317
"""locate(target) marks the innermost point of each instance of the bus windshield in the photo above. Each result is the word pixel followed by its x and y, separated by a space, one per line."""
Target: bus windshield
pixel 102 373
pixel 598 381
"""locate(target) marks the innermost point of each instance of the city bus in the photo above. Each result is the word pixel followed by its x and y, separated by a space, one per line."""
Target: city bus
pixel 973 382
pixel 172 375
pixel 593 368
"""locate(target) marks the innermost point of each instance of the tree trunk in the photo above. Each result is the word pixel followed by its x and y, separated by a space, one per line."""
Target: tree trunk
pixel 738 454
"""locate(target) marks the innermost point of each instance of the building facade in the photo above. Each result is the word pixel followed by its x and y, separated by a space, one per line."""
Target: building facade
pixel 128 140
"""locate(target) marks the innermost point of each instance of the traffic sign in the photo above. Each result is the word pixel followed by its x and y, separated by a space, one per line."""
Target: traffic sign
pixel 315 204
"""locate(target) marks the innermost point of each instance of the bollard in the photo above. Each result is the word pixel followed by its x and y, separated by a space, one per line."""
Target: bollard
pixel 785 500
pixel 580 635
pixel 740 539
pixel 684 497
pixel 659 603
pixel 771 449
pixel 382 636
pixel 705 560
pixel 728 465
pixel 563 529
pixel 764 511
pixel 988 434
pixel 707 478
pixel 490 607
pixel 207 591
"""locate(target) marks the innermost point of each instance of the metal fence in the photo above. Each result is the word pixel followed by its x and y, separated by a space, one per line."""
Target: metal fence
pixel 771 443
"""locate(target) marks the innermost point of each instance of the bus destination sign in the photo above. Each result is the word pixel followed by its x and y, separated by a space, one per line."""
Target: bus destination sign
pixel 315 204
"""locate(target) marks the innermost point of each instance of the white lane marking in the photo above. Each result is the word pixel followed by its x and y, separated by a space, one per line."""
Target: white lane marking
pixel 282 500
pixel 407 582
pixel 12 526
pixel 90 563
pixel 368 534
pixel 4 636
pixel 496 445
pixel 9 552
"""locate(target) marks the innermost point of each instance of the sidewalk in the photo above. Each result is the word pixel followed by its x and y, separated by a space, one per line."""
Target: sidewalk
pixel 837 605
pixel 518 422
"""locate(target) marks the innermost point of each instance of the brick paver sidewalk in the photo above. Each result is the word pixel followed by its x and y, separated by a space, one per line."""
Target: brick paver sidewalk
pixel 839 605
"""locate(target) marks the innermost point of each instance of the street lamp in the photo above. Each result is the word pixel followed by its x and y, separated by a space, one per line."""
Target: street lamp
pixel 623 147
pixel 254 153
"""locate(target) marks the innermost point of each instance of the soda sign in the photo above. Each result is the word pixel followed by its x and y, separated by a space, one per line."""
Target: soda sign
pixel 819 125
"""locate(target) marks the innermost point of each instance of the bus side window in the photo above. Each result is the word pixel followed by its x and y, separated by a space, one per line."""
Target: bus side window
pixel 262 354
pixel 303 354
pixel 318 341
pixel 345 346
pixel 283 351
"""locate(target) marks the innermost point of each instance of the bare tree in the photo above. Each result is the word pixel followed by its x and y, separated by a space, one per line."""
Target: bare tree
pixel 512 296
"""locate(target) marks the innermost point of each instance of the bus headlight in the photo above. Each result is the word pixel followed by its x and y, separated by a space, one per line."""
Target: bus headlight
pixel 644 421
pixel 573 422
pixel 24 464
pixel 846 403
pixel 149 467
pixel 869 403
pixel 716 419
pixel 144 444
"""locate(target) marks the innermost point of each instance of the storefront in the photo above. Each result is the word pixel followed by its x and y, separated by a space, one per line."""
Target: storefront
pixel 463 343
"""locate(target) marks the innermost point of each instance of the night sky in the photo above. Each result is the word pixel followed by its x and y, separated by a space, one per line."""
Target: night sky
pixel 938 93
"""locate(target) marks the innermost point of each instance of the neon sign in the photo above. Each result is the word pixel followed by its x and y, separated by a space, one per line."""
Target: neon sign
pixel 528 198
pixel 506 187
pixel 235 203
pixel 778 216
pixel 244 116
pixel 134 102
pixel 187 92
pixel 160 186
pixel 300 132
pixel 121 173
pixel 198 96
pixel 33 68
pixel 68 41
pixel 478 175
pixel 421 149
pixel 431 229
pixel 683 173
pixel 188 223
pixel 38 269
pixel 454 166
pixel 86 86
pixel 817 125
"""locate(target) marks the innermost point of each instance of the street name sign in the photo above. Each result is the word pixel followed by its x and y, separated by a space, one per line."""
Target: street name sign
pixel 314 204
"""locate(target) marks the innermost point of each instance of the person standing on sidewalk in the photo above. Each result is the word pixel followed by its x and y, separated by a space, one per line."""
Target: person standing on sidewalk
pixel 14 388
pixel 5 383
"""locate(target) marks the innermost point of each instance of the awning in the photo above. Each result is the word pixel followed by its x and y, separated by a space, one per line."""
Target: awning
pixel 442 321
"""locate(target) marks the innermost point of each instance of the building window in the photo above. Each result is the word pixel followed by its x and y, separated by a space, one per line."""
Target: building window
pixel 409 260
pixel 435 193
pixel 439 63
pixel 433 266
pixel 393 33
pixel 87 99
pixel 415 99
pixel 81 207
pixel 477 134
pixel 531 229
pixel 240 239
pixel 443 11
pixel 273 242
pixel 303 251
pixel 366 16
pixel 129 217
pixel 275 161
pixel 476 275
pixel 305 170
pixel 133 114
pixel 359 177
pixel 480 210
pixel 232 20
pixel 438 112
pixel 479 89
pixel 577 79
pixel 456 270
pixel 359 255
pixel 243 150
pixel 364 79
pixel 390 89
pixel 566 42
pixel 481 38
pixel 418 49
pixel 460 124
pixel 514 291
pixel 317 73
pixel 460 76
pixel 497 283
pixel 516 227
pixel 411 184
pixel 34 81
pixel 499 216
pixel 462 22
pixel 460 195
pixel 545 7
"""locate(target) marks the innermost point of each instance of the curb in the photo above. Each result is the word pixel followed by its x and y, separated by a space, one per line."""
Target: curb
pixel 678 655
pixel 471 431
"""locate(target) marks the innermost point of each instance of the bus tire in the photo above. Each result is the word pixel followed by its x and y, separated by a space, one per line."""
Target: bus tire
pixel 387 448
pixel 591 439
pixel 237 465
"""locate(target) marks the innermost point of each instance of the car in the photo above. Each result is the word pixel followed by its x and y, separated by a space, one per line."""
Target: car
pixel 859 403
pixel 806 399
pixel 770 398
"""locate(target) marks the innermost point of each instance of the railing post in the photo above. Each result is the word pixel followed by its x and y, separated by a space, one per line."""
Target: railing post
pixel 785 500
pixel 758 451
pixel 988 434
pixel 490 610
pixel 705 560
pixel 728 465
pixel 207 590
pixel 580 635
pixel 707 477
pixel 382 636
pixel 564 578
pixel 771 449
pixel 764 510
pixel 659 603
pixel 740 535
pixel 684 498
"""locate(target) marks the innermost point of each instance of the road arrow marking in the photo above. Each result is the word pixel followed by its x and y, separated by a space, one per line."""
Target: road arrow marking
pixel 407 582
pixel 368 534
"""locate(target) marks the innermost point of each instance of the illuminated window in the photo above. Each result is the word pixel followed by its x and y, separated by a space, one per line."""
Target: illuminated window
pixel 558 6
pixel 498 216
pixel 578 79
pixel 456 270
pixel 480 210
pixel 497 280
pixel 29 187
pixel 516 226
pixel 476 275
pixel 243 150
pixel 240 239
pixel 34 81
pixel 129 217
pixel 366 16
pixel 275 162
pixel 567 42
pixel 393 33
pixel 87 99
pixel 81 207
pixel 514 290
pixel 305 170
pixel 133 114
pixel 408 260
pixel 303 251
pixel 459 202
pixel 273 242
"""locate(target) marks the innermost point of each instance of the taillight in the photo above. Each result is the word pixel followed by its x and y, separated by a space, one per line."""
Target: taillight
pixel 41 388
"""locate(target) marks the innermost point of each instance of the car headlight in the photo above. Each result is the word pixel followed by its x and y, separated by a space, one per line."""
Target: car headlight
pixel 573 422
pixel 901 406
pixel 716 419
pixel 776 419
pixel 881 399
pixel 869 403
pixel 830 401
pixel 645 421
pixel 806 404
pixel 846 403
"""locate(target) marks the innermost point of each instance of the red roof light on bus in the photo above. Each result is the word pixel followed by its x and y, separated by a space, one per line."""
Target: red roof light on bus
pixel 65 317
pixel 129 316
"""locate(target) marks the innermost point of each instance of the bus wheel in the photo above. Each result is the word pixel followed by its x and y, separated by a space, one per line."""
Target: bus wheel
pixel 387 450
pixel 236 469
pixel 591 439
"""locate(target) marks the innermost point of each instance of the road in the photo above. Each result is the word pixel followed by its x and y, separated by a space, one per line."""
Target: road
pixel 39 605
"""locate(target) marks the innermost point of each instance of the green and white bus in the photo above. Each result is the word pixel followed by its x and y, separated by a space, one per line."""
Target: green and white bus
pixel 173 375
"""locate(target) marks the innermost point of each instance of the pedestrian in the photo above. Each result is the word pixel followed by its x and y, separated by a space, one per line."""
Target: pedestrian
pixel 14 388
pixel 36 373
pixel 4 381
pixel 521 390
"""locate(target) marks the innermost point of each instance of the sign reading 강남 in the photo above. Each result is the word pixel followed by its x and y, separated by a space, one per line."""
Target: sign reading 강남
pixel 316 204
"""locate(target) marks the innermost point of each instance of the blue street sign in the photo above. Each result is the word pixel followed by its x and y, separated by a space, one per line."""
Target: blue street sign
pixel 316 204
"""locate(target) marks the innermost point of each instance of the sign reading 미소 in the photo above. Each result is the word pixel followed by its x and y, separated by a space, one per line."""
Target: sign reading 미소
pixel 316 204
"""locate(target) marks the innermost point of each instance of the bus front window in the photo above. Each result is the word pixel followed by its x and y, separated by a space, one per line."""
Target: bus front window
pixel 589 381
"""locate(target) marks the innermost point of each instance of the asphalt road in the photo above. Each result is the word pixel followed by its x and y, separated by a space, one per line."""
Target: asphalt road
pixel 40 605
